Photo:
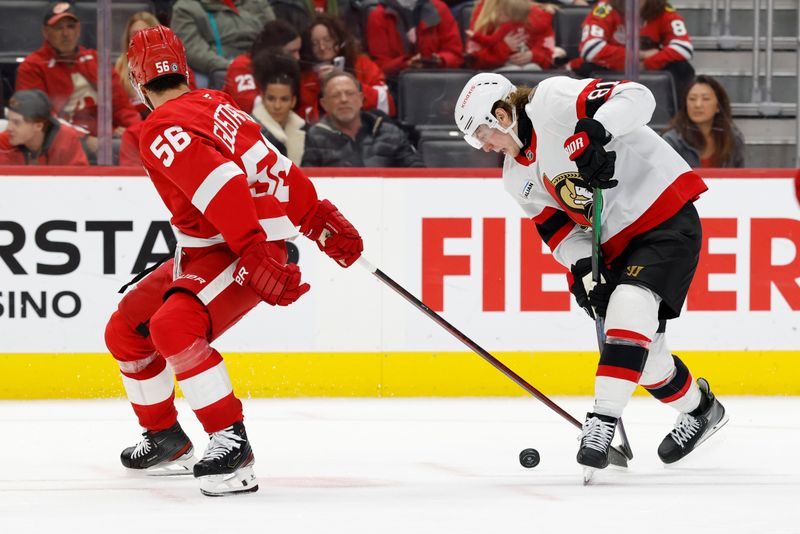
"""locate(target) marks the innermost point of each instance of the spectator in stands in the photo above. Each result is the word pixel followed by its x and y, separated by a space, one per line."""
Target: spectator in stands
pixel 163 11
pixel 67 73
pixel 413 34
pixel 129 147
pixel 327 46
pixel 703 131
pixel 215 31
pixel 350 137
pixel 138 21
pixel 276 37
pixel 35 137
pixel 280 78
pixel 299 13
pixel 512 34
pixel 664 41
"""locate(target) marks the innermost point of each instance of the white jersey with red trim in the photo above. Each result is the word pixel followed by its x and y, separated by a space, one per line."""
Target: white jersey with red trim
pixel 220 179
pixel 654 181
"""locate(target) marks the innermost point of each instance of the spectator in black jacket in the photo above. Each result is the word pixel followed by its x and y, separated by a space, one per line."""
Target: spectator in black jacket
pixel 703 131
pixel 350 137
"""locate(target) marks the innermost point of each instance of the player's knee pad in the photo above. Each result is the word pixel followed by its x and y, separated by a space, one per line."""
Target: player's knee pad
pixel 180 330
pixel 123 341
pixel 632 315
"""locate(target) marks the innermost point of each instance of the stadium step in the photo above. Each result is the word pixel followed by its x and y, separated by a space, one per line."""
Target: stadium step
pixel 697 14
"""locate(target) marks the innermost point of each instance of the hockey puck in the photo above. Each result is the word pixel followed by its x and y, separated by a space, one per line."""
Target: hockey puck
pixel 529 458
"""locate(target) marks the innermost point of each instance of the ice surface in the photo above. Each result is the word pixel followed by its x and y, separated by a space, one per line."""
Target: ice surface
pixel 411 466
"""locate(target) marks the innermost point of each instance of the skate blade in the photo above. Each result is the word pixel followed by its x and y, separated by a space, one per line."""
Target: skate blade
pixel 588 474
pixel 615 457
pixel 180 467
pixel 243 480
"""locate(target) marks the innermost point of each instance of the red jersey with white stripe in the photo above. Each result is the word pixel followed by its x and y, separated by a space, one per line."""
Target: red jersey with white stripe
pixel 603 39
pixel 219 177
pixel 654 181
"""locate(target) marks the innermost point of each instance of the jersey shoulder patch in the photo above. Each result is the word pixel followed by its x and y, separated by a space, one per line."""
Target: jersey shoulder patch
pixel 602 10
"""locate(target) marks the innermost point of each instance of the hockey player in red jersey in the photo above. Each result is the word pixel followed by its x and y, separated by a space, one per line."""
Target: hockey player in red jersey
pixel 234 200
pixel 561 140
pixel 665 43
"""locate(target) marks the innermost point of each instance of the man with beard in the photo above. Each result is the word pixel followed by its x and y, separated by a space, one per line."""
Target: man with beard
pixel 350 137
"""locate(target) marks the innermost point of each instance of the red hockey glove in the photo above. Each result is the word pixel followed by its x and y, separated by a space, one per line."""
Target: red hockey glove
pixel 585 148
pixel 593 298
pixel 274 282
pixel 334 235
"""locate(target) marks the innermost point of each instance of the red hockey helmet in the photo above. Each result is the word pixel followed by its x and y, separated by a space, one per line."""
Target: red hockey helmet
pixel 155 52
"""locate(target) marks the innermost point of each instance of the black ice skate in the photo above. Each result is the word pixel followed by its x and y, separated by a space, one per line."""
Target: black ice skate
pixel 227 465
pixel 161 453
pixel 596 435
pixel 693 428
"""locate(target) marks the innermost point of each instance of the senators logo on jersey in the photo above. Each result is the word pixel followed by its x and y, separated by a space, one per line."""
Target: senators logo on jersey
pixel 571 192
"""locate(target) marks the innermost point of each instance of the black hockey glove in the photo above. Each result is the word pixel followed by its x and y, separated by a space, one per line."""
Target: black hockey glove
pixel 593 298
pixel 585 148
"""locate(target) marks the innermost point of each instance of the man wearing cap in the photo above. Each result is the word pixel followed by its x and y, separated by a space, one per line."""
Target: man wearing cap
pixel 67 73
pixel 35 137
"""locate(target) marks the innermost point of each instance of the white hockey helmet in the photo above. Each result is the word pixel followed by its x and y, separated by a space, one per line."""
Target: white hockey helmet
pixel 474 105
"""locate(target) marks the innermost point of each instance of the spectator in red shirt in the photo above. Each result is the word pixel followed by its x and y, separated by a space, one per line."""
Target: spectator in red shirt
pixel 129 146
pixel 277 37
pixel 512 34
pixel 67 73
pixel 413 34
pixel 327 46
pixel 665 42
pixel 35 137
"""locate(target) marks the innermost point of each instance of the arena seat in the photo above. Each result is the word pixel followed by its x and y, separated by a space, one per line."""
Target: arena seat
pixel 364 8
pixel 427 98
pixel 567 22
pixel 20 28
pixel 452 153
pixel 663 88
pixel 530 77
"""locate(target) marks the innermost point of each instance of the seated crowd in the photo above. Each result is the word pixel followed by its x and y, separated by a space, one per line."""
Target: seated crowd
pixel 322 76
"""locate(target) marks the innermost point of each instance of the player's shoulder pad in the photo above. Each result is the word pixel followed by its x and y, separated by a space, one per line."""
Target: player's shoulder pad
pixel 212 94
pixel 602 10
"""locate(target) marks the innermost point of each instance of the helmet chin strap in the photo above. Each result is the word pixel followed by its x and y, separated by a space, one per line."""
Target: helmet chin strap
pixel 147 103
pixel 511 129
pixel 141 95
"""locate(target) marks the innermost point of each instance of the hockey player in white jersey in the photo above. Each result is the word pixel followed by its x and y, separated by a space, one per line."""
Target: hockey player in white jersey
pixel 561 140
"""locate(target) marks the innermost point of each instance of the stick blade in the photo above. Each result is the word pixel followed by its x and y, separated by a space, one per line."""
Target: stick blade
pixel 616 457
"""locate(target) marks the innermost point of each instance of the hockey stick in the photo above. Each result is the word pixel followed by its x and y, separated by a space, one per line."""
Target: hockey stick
pixel 600 322
pixel 616 456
